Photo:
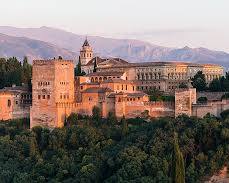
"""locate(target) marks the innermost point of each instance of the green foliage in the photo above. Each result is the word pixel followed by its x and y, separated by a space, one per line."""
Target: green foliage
pixel 125 152
pixel 215 85
pixel 72 119
pixel 224 114
pixel 202 99
pixel 199 81
pixel 183 85
pixel 178 169
pixel 78 71
pixel 124 126
pixel 111 119
pixel 95 65
pixel 96 114
pixel 156 95
pixel 220 85
pixel 225 96
pixel 13 72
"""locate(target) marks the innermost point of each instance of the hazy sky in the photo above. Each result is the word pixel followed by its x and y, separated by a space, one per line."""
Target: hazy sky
pixel 195 23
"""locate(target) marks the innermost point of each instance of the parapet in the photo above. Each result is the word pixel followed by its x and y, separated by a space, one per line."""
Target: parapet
pixel 50 61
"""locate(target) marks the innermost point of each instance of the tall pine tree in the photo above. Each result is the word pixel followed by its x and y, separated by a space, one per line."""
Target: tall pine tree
pixel 178 168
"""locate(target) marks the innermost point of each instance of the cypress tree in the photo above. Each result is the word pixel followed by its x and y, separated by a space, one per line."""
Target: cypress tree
pixel 78 71
pixel 178 169
pixel 95 65
pixel 124 126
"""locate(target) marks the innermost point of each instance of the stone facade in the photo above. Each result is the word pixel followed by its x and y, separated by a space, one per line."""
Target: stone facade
pixel 15 102
pixel 184 99
pixel 56 94
pixel 52 83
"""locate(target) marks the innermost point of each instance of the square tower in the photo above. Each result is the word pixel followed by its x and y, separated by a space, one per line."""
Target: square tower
pixel 52 83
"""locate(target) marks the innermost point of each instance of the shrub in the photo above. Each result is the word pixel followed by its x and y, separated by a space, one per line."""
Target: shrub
pixel 224 114
pixel 225 96
pixel 202 99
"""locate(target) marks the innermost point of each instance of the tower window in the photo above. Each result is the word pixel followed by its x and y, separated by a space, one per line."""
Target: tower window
pixel 39 97
pixel 9 103
pixel 43 96
pixel 48 97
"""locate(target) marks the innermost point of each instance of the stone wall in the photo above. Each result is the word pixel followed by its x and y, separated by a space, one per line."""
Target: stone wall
pixel 211 95
pixel 6 109
pixel 52 82
pixel 184 98
pixel 214 108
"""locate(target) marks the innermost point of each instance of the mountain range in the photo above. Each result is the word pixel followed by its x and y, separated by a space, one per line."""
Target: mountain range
pixel 46 42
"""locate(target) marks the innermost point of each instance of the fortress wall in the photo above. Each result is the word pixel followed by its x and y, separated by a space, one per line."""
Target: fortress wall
pixel 155 109
pixel 21 112
pixel 214 108
pixel 45 117
pixel 135 109
pixel 211 95
pixel 161 109
pixel 5 110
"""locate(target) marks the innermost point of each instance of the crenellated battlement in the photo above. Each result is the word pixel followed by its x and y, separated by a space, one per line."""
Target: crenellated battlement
pixel 50 61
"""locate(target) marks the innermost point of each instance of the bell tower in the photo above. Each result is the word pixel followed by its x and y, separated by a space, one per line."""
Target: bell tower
pixel 86 53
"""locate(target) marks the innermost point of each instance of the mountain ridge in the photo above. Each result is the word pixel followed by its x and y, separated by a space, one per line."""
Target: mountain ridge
pixel 130 49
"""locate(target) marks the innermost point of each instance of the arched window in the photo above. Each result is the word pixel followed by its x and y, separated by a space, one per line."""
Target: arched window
pixel 9 103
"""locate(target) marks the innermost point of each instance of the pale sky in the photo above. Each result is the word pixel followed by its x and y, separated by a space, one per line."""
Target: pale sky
pixel 177 23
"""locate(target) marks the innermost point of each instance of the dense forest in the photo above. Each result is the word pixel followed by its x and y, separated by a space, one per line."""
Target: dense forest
pixel 12 71
pixel 91 149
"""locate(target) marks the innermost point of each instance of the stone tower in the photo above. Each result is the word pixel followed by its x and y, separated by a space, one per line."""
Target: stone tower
pixel 52 83
pixel 86 53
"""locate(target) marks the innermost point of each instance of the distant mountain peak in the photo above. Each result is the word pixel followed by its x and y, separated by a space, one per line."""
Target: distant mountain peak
pixel 128 49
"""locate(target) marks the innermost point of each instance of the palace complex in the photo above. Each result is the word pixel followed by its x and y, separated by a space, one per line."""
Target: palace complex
pixel 114 85
pixel 164 76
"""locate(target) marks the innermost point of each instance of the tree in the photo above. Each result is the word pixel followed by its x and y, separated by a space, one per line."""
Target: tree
pixel 2 72
pixel 183 85
pixel 111 119
pixel 124 126
pixel 202 99
pixel 78 71
pixel 95 65
pixel 225 114
pixel 72 119
pixel 215 85
pixel 199 81
pixel 96 114
pixel 26 71
pixel 178 170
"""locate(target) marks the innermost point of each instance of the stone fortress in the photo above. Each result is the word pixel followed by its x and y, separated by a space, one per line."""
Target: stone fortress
pixel 117 86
